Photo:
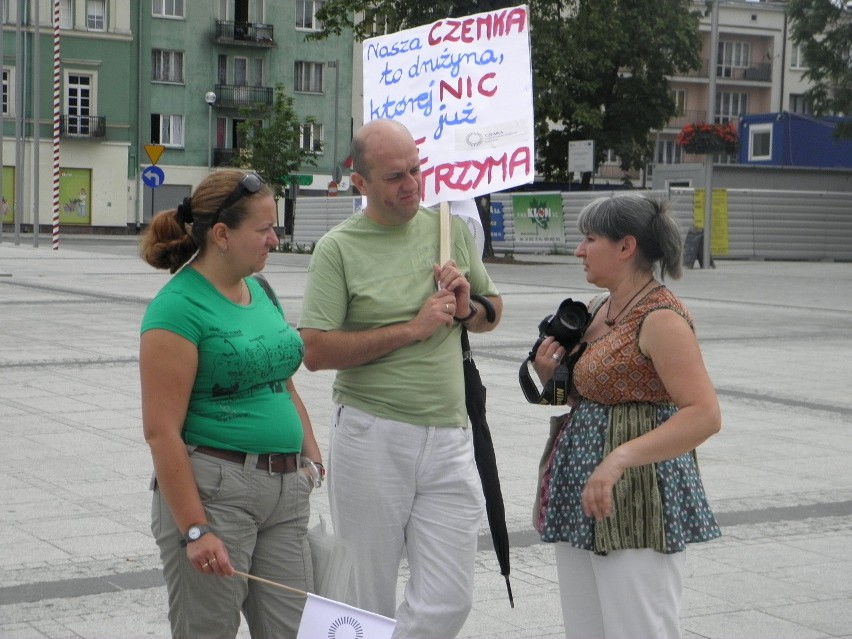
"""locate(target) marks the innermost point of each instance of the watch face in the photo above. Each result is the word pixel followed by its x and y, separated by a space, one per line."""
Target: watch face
pixel 193 533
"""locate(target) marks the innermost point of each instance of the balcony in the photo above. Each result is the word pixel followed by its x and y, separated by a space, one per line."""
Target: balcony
pixel 82 126
pixel 237 96
pixel 761 72
pixel 225 157
pixel 243 33
pixel 687 117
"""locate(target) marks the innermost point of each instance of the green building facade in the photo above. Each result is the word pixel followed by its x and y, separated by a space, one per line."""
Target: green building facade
pixel 155 82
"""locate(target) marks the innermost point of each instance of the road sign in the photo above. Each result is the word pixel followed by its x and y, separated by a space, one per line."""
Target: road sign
pixel 301 180
pixel 153 177
pixel 154 152
pixel 581 156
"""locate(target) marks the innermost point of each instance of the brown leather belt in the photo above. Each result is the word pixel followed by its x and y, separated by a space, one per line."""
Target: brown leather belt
pixel 275 463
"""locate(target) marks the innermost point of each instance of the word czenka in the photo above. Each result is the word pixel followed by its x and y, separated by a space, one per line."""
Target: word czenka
pixel 487 27
pixel 468 175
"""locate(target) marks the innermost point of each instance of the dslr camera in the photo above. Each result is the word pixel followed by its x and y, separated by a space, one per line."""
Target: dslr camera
pixel 567 326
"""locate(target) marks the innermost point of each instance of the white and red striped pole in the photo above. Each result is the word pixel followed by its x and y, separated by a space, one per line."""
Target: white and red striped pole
pixel 57 116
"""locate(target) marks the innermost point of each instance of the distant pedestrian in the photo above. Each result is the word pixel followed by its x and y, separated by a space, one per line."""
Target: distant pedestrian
pixel 624 492
pixel 227 430
pixel 380 310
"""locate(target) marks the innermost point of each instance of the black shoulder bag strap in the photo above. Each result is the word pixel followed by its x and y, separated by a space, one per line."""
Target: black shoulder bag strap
pixel 267 288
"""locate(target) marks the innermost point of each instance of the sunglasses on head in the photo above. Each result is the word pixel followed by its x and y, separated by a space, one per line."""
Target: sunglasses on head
pixel 249 183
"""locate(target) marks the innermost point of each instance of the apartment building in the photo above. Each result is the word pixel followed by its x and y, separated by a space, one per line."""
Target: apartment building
pixel 163 84
pixel 202 64
pixel 756 67
pixel 93 85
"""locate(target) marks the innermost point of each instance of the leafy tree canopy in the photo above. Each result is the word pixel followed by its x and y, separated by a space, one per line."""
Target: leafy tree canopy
pixel 274 151
pixel 823 31
pixel 600 66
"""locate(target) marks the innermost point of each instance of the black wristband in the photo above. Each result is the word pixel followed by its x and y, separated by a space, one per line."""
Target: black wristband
pixel 473 311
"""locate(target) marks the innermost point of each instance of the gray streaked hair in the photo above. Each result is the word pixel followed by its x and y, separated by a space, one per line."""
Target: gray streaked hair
pixel 657 234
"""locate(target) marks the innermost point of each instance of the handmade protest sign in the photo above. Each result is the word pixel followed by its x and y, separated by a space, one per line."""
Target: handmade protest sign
pixel 463 87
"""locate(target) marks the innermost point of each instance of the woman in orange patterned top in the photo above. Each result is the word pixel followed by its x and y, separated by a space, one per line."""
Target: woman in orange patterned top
pixel 624 495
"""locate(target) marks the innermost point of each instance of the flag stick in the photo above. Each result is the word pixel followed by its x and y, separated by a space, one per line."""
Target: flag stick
pixel 271 583
pixel 446 233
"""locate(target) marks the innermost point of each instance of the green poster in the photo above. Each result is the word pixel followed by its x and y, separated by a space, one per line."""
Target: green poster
pixel 75 202
pixel 538 218
pixel 7 202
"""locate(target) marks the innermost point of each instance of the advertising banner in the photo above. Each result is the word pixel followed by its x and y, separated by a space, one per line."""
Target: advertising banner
pixel 75 202
pixel 538 218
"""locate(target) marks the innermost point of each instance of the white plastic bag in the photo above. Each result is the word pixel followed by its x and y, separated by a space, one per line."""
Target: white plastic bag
pixel 333 560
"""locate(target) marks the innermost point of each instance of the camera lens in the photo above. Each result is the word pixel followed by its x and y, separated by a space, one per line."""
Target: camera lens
pixel 572 320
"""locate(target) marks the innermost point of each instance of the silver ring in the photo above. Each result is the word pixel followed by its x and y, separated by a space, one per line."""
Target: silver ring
pixel 212 560
pixel 556 357
pixel 446 308
pixel 204 565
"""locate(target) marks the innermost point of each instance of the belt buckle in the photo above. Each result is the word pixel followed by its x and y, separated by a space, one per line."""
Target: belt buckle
pixel 269 464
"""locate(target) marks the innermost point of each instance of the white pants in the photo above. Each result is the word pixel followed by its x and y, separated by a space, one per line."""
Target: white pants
pixel 395 486
pixel 626 594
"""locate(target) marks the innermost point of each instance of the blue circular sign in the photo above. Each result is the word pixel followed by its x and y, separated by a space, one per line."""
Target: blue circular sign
pixel 153 177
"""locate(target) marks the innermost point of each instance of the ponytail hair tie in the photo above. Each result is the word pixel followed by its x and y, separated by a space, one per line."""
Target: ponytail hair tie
pixel 184 212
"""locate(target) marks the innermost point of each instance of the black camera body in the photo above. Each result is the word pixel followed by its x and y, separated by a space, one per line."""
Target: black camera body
pixel 567 326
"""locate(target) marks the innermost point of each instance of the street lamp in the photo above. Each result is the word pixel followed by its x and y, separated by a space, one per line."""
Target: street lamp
pixel 210 99
pixel 336 173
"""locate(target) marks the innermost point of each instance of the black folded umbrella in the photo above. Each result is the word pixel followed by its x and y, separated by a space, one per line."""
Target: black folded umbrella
pixel 483 450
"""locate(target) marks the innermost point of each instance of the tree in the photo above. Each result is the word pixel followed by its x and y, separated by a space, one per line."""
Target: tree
pixel 599 66
pixel 600 70
pixel 275 151
pixel 823 31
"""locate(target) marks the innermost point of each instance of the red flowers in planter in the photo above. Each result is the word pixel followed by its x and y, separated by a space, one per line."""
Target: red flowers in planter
pixel 709 138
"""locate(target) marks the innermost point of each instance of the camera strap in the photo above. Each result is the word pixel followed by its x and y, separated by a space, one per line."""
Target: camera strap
pixel 557 390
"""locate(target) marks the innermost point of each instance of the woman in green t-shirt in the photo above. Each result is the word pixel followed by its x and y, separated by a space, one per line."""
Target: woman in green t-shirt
pixel 231 440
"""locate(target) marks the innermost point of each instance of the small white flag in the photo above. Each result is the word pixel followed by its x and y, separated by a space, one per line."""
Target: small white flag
pixel 467 211
pixel 327 619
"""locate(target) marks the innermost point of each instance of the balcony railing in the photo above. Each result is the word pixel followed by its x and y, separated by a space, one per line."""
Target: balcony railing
pixel 236 96
pixel 225 157
pixel 82 126
pixel 687 117
pixel 229 32
pixel 761 72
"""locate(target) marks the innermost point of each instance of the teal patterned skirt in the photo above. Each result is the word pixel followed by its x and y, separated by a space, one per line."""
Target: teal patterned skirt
pixel 660 506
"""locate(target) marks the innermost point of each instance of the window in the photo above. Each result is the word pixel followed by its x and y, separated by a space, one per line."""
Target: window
pixel 308 77
pixel 730 56
pixel 800 104
pixel 667 152
pixel 6 92
pixel 95 15
pixel 66 14
pixel 257 72
pixel 730 106
pixel 79 102
pixel 679 97
pixel 167 8
pixel 167 129
pixel 306 12
pixel 760 142
pixel 222 69
pixel 241 72
pixel 797 57
pixel 311 139
pixel 167 66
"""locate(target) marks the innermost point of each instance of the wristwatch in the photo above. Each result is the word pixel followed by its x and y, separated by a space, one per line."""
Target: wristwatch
pixel 473 310
pixel 194 533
